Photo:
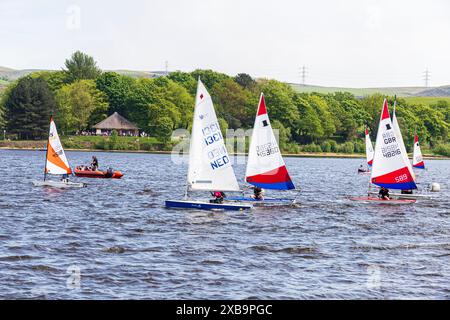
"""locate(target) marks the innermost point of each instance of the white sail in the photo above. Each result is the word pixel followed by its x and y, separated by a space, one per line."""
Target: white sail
pixel 56 158
pixel 265 166
pixel 209 163
pixel 369 148
pixel 390 169
pixel 417 155
pixel 401 144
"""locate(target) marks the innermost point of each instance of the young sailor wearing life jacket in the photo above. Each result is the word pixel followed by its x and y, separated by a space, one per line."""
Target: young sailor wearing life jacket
pixel 218 197
pixel 258 193
pixel 384 194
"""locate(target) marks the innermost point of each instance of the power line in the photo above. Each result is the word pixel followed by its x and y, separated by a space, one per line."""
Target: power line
pixel 426 77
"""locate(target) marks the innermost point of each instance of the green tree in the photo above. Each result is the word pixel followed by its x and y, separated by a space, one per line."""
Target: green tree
pixel 54 79
pixel 244 80
pixel 372 105
pixel 81 66
pixel 185 79
pixel 28 108
pixel 327 120
pixel 209 77
pixel 231 101
pixel 308 127
pixel 279 102
pixel 163 130
pixel 284 134
pixel 223 126
pixel 179 97
pixel 77 102
pixel 119 90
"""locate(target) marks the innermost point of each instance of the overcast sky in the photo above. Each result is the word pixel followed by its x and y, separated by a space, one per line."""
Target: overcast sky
pixel 357 43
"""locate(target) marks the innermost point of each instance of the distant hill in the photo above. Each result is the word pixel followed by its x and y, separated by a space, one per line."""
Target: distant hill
pixel 361 92
pixel 443 91
pixel 11 74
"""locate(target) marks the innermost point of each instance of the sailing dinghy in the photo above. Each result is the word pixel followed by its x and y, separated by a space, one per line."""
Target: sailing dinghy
pixel 417 155
pixel 369 153
pixel 406 159
pixel 56 162
pixel 391 168
pixel 210 166
pixel 265 166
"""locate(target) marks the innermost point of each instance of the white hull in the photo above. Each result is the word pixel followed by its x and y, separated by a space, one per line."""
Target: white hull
pixel 58 184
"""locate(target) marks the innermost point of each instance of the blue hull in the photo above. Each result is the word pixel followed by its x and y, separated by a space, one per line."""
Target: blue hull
pixel 186 204
pixel 265 200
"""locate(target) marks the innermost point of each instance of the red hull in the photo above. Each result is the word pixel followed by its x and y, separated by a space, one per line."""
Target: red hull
pixel 97 174
pixel 378 200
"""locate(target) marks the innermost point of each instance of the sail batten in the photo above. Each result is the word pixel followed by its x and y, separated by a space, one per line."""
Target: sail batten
pixel 265 165
pixel 391 168
pixel 209 163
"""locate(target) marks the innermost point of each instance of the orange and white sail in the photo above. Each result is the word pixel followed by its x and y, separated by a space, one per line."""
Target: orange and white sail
pixel 56 158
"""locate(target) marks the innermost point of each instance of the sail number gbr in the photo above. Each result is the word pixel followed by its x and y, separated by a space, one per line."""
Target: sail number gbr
pixel 391 148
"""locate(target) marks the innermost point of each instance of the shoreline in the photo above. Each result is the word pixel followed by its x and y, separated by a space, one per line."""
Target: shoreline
pixel 289 155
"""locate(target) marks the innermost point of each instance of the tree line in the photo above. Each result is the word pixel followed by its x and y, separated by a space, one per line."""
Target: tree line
pixel 81 95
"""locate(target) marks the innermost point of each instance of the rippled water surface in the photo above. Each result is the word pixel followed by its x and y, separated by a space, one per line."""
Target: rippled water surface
pixel 115 240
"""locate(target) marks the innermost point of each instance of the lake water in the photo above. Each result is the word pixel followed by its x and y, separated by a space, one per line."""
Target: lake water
pixel 115 240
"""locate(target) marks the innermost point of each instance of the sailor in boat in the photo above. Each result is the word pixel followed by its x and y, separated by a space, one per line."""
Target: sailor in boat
pixel 384 194
pixel 218 197
pixel 65 178
pixel 258 193
pixel 109 173
pixel 94 163
pixel 361 169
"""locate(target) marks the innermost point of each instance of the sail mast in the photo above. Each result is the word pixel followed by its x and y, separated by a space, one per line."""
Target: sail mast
pixel 46 152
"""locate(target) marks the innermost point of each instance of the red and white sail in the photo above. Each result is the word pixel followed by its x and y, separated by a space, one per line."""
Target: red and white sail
pixel 369 148
pixel 417 155
pixel 56 158
pixel 390 169
pixel 265 166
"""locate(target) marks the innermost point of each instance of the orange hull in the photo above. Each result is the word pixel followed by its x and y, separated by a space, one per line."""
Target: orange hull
pixel 97 174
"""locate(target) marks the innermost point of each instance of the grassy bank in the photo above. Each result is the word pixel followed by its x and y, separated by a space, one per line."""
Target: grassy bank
pixel 150 144
pixel 426 100
pixel 94 143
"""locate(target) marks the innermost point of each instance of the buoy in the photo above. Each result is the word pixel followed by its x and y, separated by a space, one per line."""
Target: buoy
pixel 435 187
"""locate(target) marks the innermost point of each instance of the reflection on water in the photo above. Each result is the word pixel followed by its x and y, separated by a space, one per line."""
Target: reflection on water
pixel 114 239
